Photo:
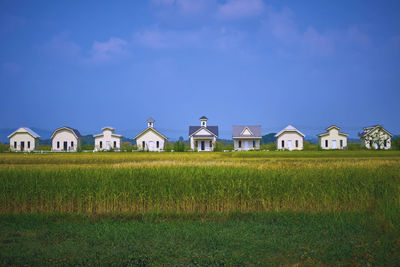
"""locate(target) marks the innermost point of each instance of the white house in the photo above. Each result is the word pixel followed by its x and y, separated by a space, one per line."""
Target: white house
pixel 332 139
pixel 107 140
pixel 66 139
pixel 290 138
pixel 24 139
pixel 246 137
pixel 203 137
pixel 375 137
pixel 150 139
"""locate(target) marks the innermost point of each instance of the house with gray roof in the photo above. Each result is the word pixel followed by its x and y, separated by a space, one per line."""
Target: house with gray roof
pixel 375 137
pixel 246 137
pixel 66 139
pixel 24 139
pixel 203 137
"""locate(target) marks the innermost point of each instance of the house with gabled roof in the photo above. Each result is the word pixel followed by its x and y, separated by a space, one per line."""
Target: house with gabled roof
pixel 333 138
pixel 289 139
pixel 24 139
pixel 150 139
pixel 203 137
pixel 246 137
pixel 66 139
pixel 375 137
pixel 107 140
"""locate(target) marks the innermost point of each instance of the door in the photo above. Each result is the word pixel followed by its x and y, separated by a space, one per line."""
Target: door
pixel 376 144
pixel 289 144
pixel 202 145
pixel 108 145
pixel 22 145
pixel 334 144
pixel 151 145
pixel 246 145
pixel 65 146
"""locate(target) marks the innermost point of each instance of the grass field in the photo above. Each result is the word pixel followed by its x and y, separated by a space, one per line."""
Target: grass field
pixel 253 208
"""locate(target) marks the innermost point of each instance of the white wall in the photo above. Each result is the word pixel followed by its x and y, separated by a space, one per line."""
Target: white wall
pixel 290 136
pixel 23 137
pixel 206 144
pixel 250 144
pixel 333 135
pixel 150 136
pixel 379 136
pixel 62 136
pixel 107 137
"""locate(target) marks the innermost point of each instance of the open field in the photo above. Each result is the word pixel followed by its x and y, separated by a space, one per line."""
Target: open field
pixel 257 208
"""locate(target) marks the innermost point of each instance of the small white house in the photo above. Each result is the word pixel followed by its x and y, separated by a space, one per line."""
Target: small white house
pixel 375 137
pixel 289 138
pixel 66 139
pixel 203 137
pixel 107 140
pixel 332 139
pixel 246 137
pixel 150 139
pixel 24 139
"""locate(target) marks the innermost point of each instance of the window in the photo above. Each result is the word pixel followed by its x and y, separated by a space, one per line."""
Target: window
pixel 101 144
pixel 203 124
pixel 72 143
pixel 15 144
pixel 158 144
pixel 115 144
pixel 240 144
pixel 210 143
pixel 326 143
pixel 29 144
pixel 58 144
pixel 143 145
pixel 384 143
pixel 341 143
pixel 254 143
pixel 283 143
pixel 297 143
pixel 196 144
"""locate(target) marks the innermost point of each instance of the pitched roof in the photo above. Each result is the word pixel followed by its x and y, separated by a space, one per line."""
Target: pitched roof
pixel 330 127
pixel 150 119
pixel 75 131
pixel 289 128
pixel 203 118
pixel 238 130
pixel 153 129
pixel 108 127
pixel 28 130
pixel 212 129
pixel 367 130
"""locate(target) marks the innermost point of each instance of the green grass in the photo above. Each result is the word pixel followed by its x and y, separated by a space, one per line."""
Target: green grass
pixel 243 208
pixel 214 239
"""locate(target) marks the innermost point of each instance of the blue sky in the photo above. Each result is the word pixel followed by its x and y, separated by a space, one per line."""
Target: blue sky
pixel 88 64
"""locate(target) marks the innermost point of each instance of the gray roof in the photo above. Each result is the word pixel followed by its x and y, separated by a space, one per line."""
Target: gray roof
pixel 369 129
pixel 28 130
pixel 77 133
pixel 150 128
pixel 255 129
pixel 213 129
pixel 150 119
pixel 203 118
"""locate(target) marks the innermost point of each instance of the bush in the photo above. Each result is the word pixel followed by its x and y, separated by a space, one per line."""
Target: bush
pixel 179 146
pixel 4 147
pixel 87 147
pixel 396 143
pixel 310 147
pixel 44 147
pixel 127 146
pixel 269 146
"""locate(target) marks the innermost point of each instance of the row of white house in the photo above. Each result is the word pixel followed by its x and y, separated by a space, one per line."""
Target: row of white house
pixel 202 138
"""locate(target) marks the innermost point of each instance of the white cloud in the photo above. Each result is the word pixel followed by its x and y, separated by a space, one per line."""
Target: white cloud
pixel 105 50
pixel 235 9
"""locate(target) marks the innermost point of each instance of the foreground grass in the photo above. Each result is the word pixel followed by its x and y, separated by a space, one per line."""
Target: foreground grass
pixel 191 239
pixel 255 208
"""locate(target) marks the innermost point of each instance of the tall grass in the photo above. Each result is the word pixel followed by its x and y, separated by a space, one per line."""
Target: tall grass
pixel 197 189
